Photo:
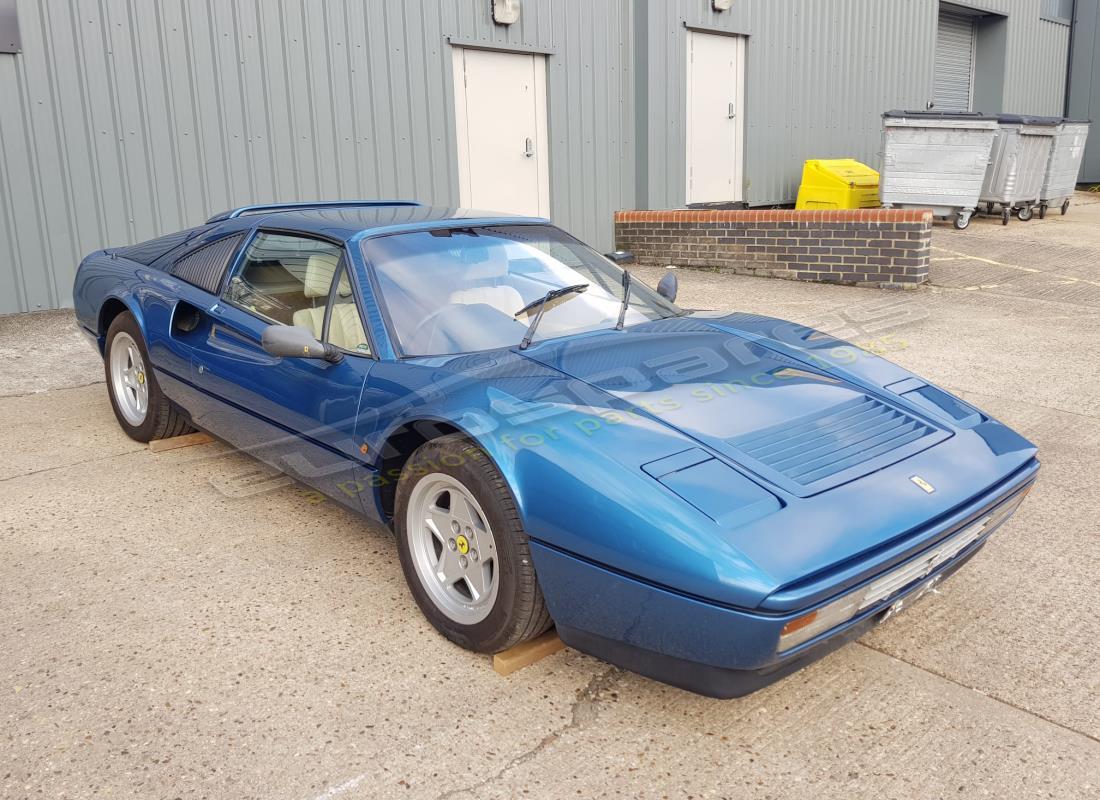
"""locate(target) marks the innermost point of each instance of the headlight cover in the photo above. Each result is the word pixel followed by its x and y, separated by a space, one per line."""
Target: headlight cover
pixel 713 487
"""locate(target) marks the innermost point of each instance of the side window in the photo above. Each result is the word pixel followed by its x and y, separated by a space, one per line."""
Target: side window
pixel 292 280
pixel 285 279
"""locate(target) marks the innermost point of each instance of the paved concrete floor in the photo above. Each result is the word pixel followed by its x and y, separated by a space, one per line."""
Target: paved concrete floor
pixel 164 637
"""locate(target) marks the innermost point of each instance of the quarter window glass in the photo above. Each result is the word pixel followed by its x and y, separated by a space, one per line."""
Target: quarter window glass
pixel 286 279
pixel 345 326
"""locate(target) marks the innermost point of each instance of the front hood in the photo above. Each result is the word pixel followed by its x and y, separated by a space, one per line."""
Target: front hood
pixel 797 423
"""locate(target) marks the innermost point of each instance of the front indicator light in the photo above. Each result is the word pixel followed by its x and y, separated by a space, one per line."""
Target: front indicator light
pixel 802 629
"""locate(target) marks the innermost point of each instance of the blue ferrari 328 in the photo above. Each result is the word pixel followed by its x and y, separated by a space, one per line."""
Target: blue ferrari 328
pixel 710 499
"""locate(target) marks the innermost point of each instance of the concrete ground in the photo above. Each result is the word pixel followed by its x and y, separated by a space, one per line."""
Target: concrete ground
pixel 165 633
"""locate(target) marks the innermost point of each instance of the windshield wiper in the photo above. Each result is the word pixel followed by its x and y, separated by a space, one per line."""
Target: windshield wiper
pixel 541 304
pixel 626 301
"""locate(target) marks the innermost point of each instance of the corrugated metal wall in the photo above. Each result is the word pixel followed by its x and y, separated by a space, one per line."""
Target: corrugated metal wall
pixel 819 74
pixel 1084 82
pixel 126 119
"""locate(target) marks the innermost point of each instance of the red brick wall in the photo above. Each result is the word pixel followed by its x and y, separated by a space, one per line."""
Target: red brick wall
pixel 880 247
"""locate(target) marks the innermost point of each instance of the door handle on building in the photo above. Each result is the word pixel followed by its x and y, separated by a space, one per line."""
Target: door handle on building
pixel 529 147
pixel 732 112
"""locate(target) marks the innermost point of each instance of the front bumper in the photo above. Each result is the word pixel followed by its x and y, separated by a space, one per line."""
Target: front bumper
pixel 701 646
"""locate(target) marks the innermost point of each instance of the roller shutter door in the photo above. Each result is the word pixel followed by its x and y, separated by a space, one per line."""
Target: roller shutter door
pixel 954 62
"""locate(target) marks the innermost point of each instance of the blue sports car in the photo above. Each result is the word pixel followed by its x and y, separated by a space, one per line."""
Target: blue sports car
pixel 710 499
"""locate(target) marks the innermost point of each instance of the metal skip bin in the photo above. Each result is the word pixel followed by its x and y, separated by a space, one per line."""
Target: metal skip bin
pixel 935 160
pixel 1017 164
pixel 1064 165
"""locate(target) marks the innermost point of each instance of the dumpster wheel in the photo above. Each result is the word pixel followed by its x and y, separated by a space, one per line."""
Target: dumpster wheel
pixel 961 221
pixel 1065 207
pixel 1025 213
pixel 1005 213
pixel 1042 211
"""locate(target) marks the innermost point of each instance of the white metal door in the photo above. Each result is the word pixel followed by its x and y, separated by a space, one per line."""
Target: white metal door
pixel 500 113
pixel 715 117
pixel 955 47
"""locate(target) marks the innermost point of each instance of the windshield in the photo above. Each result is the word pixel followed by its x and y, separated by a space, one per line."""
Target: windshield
pixel 458 290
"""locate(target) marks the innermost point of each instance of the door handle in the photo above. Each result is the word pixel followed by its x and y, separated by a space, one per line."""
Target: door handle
pixel 732 111
pixel 529 147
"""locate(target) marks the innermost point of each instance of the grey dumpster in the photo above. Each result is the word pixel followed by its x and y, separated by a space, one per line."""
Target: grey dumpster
pixel 1017 164
pixel 935 160
pixel 1063 165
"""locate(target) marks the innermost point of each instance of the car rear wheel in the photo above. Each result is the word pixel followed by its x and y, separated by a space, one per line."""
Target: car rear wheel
pixel 463 550
pixel 139 405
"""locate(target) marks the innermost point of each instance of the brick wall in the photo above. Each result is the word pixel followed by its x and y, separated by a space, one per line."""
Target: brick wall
pixel 878 247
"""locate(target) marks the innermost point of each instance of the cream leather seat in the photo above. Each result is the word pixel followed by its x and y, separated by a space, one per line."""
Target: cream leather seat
pixel 503 298
pixel 345 328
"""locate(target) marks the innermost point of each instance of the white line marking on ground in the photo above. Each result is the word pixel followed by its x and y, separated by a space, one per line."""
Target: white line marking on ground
pixel 965 257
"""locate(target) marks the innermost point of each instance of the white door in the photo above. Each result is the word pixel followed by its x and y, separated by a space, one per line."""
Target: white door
pixel 715 117
pixel 500 112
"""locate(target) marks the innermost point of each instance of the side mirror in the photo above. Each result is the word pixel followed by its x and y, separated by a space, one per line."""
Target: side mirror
pixel 668 286
pixel 291 341
pixel 620 257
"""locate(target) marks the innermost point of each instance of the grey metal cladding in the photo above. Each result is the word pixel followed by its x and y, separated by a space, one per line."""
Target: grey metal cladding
pixel 206 266
pixel 131 119
pixel 1084 83
pixel 818 75
pixel 1057 11
pixel 10 41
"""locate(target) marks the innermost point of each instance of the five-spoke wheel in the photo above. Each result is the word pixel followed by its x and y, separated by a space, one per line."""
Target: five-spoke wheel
pixel 140 406
pixel 129 383
pixel 463 548
pixel 453 548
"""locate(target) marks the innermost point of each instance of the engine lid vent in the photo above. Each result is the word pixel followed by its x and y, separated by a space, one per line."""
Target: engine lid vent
pixel 835 445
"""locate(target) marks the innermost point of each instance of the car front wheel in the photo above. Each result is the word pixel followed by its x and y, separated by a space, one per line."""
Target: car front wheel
pixel 463 549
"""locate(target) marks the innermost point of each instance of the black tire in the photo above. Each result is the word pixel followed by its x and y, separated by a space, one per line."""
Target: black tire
pixel 519 611
pixel 1065 207
pixel 1004 216
pixel 1025 214
pixel 961 222
pixel 162 419
pixel 1043 211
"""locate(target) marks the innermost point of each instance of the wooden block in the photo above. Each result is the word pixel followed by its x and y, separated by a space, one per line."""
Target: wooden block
pixel 526 654
pixel 187 440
